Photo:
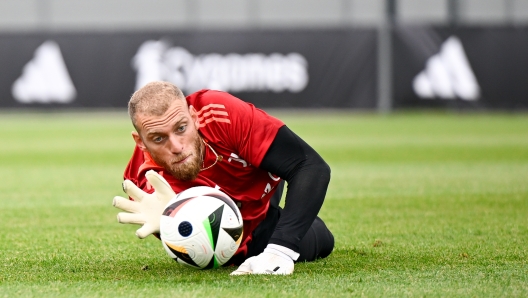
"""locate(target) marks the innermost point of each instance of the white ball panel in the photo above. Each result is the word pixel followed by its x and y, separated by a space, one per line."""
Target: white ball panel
pixel 225 247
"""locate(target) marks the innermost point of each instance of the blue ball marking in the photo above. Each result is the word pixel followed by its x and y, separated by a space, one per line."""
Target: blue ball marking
pixel 185 228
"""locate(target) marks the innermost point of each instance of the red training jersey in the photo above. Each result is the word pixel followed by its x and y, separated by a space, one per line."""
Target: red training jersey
pixel 241 134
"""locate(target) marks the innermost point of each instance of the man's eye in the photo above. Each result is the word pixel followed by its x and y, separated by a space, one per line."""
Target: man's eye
pixel 182 128
pixel 157 139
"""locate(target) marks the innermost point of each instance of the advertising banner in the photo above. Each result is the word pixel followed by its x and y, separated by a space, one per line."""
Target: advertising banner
pixel 283 68
pixel 467 67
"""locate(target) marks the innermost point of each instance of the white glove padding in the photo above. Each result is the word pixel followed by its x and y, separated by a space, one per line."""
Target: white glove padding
pixel 275 259
pixel 146 209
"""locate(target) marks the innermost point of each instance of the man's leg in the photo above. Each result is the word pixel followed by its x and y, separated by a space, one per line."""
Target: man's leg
pixel 317 243
pixel 263 232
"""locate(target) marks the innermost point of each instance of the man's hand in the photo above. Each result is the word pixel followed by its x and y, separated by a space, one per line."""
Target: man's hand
pixel 275 259
pixel 146 208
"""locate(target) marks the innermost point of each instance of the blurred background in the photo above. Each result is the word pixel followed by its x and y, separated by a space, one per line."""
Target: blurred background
pixel 355 54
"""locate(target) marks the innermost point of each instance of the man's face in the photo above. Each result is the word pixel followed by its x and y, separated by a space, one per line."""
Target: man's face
pixel 172 140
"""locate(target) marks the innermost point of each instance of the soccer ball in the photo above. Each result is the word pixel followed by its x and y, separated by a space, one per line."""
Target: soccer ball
pixel 201 227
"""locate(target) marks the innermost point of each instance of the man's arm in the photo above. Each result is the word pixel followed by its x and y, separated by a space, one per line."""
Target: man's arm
pixel 308 176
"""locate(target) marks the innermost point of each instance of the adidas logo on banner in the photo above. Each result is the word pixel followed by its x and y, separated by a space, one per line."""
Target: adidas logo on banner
pixel 447 75
pixel 45 78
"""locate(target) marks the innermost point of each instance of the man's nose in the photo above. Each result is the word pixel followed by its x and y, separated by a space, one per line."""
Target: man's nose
pixel 175 144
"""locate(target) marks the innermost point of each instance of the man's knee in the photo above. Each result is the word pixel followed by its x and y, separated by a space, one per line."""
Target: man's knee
pixel 317 243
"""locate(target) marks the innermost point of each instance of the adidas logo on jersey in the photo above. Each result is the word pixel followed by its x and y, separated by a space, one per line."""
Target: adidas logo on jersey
pixel 45 78
pixel 447 75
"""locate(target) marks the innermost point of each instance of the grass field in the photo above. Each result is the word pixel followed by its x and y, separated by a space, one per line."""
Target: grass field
pixel 421 204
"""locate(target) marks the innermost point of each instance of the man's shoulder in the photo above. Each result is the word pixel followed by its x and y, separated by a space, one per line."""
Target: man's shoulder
pixel 218 106
pixel 206 97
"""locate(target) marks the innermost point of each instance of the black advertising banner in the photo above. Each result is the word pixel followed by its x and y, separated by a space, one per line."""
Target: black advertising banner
pixel 282 68
pixel 466 67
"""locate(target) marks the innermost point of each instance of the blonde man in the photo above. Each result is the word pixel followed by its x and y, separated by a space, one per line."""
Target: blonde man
pixel 211 138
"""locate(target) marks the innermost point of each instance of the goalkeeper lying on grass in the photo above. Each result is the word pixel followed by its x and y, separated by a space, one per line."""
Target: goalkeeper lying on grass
pixel 211 138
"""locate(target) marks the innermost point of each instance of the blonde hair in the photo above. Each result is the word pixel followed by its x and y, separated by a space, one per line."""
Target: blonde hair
pixel 153 99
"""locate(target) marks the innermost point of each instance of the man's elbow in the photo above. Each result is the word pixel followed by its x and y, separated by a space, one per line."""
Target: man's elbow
pixel 324 170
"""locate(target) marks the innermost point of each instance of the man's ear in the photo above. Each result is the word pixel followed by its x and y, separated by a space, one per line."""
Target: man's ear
pixel 139 141
pixel 194 117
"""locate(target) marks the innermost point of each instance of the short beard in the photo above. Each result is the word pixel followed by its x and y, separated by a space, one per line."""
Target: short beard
pixel 188 171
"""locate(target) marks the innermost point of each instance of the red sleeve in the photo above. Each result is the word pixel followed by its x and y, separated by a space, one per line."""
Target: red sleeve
pixel 132 169
pixel 238 124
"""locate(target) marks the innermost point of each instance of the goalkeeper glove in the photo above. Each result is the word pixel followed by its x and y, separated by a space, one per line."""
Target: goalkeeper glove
pixel 146 209
pixel 275 259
